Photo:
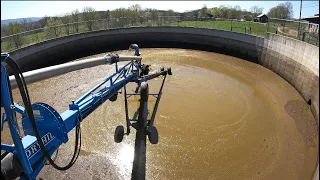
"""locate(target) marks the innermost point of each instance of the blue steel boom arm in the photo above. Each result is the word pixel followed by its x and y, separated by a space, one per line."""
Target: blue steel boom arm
pixel 52 126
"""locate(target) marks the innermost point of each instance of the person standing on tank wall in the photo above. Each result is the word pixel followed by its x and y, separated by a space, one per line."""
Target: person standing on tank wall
pixel 135 47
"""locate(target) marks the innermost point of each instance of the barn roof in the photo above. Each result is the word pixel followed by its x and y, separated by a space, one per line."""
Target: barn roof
pixel 261 15
pixel 312 19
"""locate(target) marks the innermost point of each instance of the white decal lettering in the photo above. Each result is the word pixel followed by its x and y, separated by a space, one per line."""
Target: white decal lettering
pixel 28 152
pixel 34 149
pixel 50 136
pixel 44 139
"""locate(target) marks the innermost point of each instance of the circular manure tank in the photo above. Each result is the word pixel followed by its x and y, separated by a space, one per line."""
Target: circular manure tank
pixel 220 117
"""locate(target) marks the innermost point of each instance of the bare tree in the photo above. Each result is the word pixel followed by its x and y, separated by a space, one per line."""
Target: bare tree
pixel 238 11
pixel 256 10
pixel 203 11
pixel 234 13
pixel 89 14
pixel 17 39
pixel 135 7
pixel 154 15
pixel 42 22
pixel 4 30
pixel 53 30
pixel 196 14
pixel 24 24
pixel 75 20
pixel 288 9
pixel 65 19
pixel 223 11
pixel 282 11
pixel 215 12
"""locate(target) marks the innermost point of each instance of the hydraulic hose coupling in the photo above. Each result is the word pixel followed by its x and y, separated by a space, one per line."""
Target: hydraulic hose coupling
pixel 112 58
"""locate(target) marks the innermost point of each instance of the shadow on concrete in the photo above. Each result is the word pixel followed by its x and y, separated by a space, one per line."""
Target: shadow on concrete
pixel 300 112
pixel 139 161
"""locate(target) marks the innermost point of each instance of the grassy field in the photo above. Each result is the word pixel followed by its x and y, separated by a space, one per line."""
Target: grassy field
pixel 39 36
pixel 257 29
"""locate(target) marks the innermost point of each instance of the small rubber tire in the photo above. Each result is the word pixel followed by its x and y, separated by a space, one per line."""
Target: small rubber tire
pixel 118 134
pixel 169 71
pixel 114 97
pixel 153 135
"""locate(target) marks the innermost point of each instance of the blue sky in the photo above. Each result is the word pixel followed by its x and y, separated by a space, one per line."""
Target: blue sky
pixel 21 9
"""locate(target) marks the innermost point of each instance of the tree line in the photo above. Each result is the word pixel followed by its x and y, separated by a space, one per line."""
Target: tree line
pixel 282 11
pixel 88 14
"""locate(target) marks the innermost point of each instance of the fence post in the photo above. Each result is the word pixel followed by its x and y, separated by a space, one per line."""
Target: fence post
pixel 303 36
pixel 299 33
pixel 231 25
pixel 152 21
pixel 196 21
pixel 213 23
pixel 37 36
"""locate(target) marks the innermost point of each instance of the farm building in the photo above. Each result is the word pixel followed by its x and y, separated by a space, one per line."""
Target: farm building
pixel 313 25
pixel 313 19
pixel 263 18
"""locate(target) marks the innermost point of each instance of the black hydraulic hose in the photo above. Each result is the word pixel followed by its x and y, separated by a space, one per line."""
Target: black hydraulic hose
pixel 28 107
pixel 10 90
pixel 26 100
pixel 151 76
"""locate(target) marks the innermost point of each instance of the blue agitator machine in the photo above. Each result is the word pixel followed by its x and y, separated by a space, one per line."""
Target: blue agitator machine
pixel 44 129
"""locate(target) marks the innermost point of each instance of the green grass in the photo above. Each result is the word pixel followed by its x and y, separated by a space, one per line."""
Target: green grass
pixel 257 29
pixel 38 37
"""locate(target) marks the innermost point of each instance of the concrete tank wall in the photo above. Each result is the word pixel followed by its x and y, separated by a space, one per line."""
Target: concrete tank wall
pixel 295 61
pixel 298 63
pixel 63 49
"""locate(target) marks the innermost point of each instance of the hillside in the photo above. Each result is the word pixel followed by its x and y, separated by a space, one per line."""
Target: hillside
pixel 7 21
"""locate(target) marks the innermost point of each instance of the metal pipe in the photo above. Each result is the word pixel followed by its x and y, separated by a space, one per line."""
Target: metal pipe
pixel 153 116
pixel 47 72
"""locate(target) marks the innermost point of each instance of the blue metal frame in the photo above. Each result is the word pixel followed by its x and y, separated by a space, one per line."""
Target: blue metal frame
pixel 19 150
pixel 27 149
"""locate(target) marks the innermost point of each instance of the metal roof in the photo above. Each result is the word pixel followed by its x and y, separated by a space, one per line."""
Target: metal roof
pixel 313 19
pixel 315 16
pixel 261 15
